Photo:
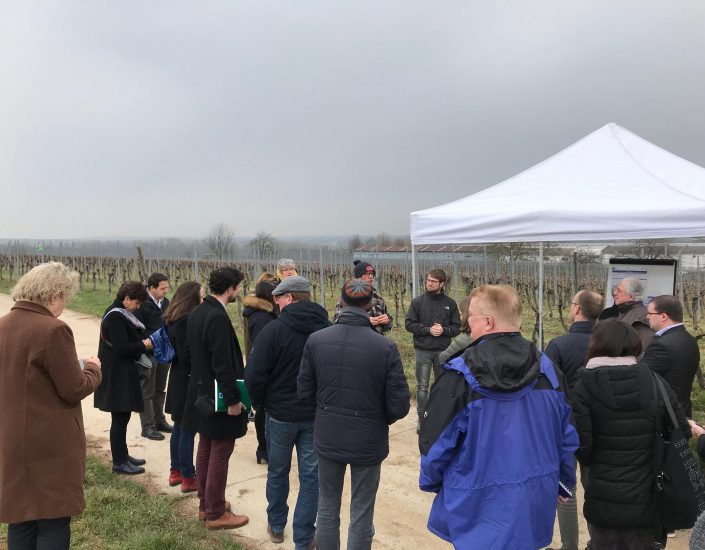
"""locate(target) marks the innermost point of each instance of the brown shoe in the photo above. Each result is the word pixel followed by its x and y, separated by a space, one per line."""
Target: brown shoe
pixel 202 515
pixel 227 521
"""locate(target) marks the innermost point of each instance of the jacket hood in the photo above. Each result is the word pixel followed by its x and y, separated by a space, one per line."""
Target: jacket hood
pixel 354 316
pixel 503 362
pixel 304 317
pixel 252 303
pixel 616 387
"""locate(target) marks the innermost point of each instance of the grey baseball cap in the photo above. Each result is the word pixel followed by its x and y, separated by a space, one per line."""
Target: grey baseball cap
pixel 295 283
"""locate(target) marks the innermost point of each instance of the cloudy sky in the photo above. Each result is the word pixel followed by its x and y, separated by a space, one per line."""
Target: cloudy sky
pixel 318 118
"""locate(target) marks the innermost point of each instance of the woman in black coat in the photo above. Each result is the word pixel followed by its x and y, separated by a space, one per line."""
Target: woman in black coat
pixel 185 300
pixel 618 413
pixel 259 311
pixel 122 343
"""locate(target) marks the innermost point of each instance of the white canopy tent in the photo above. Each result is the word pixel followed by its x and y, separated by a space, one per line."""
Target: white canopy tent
pixel 610 185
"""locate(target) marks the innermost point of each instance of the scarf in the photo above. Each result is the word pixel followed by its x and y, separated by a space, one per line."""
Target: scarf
pixel 128 315
pixel 596 362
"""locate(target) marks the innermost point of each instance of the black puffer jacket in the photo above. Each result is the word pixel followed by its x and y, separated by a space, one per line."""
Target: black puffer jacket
pixel 273 365
pixel 617 415
pixel 357 379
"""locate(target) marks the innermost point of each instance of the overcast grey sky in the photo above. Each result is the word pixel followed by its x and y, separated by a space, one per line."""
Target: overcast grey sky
pixel 314 118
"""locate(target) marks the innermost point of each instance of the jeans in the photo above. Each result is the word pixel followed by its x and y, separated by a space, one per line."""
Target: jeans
pixel 425 362
pixel 118 436
pixel 153 385
pixel 181 449
pixel 364 484
pixel 41 534
pixel 281 439
pixel 212 474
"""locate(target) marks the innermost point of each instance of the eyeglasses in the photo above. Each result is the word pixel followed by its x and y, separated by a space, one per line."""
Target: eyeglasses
pixel 653 312
pixel 434 281
pixel 575 304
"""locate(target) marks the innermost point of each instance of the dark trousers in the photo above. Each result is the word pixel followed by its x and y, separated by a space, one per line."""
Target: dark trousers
pixel 153 384
pixel 41 534
pixel 212 474
pixel 364 484
pixel 260 418
pixel 118 436
pixel 181 448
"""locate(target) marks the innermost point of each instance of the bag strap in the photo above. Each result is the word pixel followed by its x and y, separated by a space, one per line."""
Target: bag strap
pixel 666 400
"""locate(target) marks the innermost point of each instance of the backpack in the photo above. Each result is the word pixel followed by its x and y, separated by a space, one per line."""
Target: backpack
pixel 163 350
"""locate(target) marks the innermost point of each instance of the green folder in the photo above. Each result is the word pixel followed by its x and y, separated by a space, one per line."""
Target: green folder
pixel 244 397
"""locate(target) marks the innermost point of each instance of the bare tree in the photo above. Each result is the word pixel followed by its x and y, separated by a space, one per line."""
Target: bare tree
pixel 354 243
pixel 221 241
pixel 263 243
pixel 383 239
pixel 401 241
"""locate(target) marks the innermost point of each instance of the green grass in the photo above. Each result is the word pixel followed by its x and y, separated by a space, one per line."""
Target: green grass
pixel 121 514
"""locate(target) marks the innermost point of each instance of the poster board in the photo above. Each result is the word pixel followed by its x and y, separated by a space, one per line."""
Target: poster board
pixel 657 276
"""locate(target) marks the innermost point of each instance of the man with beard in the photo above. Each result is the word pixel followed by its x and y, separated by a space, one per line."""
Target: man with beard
pixel 215 356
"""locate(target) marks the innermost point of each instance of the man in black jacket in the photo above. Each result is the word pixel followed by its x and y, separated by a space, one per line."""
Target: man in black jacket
pixel 271 374
pixel 673 353
pixel 569 354
pixel 215 356
pixel 433 319
pixel 357 380
pixel 153 381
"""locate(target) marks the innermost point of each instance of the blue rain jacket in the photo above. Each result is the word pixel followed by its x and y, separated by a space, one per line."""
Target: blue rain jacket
pixel 495 456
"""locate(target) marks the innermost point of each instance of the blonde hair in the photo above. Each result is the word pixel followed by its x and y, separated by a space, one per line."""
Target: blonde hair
pixel 499 301
pixel 45 282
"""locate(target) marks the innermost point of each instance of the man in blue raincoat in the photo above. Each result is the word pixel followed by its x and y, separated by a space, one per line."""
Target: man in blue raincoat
pixel 496 437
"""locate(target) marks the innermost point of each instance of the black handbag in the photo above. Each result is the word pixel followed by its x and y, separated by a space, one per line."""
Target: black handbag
pixel 680 485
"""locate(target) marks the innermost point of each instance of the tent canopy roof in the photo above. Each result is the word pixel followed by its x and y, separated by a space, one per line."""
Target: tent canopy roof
pixel 610 185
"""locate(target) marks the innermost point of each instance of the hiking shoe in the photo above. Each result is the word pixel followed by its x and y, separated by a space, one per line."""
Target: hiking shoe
pixel 227 521
pixel 277 537
pixel 175 477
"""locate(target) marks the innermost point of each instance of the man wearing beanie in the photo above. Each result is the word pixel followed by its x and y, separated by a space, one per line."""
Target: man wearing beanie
pixel 433 319
pixel 380 319
pixel 357 380
pixel 270 377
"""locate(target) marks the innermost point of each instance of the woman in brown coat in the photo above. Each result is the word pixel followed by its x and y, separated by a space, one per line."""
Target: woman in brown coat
pixel 42 382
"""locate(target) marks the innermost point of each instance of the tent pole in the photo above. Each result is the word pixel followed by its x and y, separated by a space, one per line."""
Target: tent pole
pixel 540 298
pixel 413 271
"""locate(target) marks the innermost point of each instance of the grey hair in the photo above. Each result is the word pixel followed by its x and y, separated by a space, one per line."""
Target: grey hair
pixel 286 263
pixel 633 286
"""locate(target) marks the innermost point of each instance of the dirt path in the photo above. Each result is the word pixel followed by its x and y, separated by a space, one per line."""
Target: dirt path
pixel 401 511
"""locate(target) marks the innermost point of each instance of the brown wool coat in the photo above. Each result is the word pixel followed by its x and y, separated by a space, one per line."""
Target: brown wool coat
pixel 42 442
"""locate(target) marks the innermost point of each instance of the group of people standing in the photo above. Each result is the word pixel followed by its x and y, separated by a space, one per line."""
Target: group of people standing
pixel 499 430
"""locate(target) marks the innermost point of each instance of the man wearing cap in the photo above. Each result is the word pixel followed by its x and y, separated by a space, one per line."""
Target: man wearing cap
pixel 358 382
pixel 434 319
pixel 380 319
pixel 270 377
